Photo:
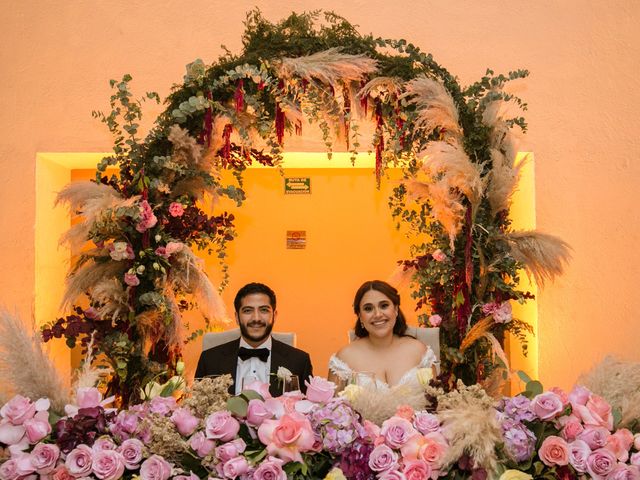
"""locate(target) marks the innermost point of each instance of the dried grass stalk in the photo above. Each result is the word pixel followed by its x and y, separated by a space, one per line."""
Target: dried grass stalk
pixel 503 178
pixel 186 149
pixel 112 297
pixel 477 332
pixel 328 67
pixel 381 87
pixel 470 424
pixel 401 276
pixel 88 276
pixel 25 368
pixel 543 256
pixel 434 105
pixel 377 405
pixel 618 381
pixel 88 376
pixel 447 208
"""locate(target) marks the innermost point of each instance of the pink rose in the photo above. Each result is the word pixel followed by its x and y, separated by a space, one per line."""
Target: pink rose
pixel 397 431
pixel 383 458
pixel 37 427
pixel 18 410
pixel 554 451
pixel 260 387
pixel 131 451
pixel 221 426
pixel 79 461
pixel 191 476
pixel 107 464
pixel 270 469
pixel 184 421
pixel 561 393
pixel 155 468
pixel 439 256
pixel 12 434
pixel 8 470
pixel 147 218
pixel 121 251
pixel 620 444
pixel 579 451
pixel 173 247
pixel 201 444
pixel 392 475
pixel 416 470
pixel 636 441
pixel 572 427
pixel 547 405
pixel 426 422
pixel 624 472
pixel 635 459
pixel 595 412
pixel 88 397
pixel 596 437
pixel 227 451
pixel 503 314
pixel 61 473
pixel 44 457
pixel 372 430
pixel 235 467
pixel 435 320
pixel 131 279
pixel 430 448
pixel 405 411
pixel 103 443
pixel 257 412
pixel 24 464
pixel 579 395
pixel 162 405
pixel 320 390
pixel 600 463
pixel 286 437
pixel 176 209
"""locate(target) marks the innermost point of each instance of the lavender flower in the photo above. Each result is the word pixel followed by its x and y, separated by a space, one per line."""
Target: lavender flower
pixel 519 441
pixel 337 424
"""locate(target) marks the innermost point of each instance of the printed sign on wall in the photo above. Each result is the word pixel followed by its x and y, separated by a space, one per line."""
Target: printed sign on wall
pixel 296 239
pixel 297 185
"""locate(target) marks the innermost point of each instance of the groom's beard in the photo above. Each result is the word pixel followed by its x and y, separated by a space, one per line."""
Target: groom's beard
pixel 256 338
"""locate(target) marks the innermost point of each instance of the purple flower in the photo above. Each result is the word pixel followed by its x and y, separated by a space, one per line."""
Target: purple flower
pixel 162 405
pixel 107 464
pixel 383 458
pixel 600 463
pixel 518 408
pixel 519 440
pixel 79 461
pixel 270 469
pixel 547 405
pixel 426 422
pixel 131 451
pixel 579 451
pixel 184 421
pixel 354 461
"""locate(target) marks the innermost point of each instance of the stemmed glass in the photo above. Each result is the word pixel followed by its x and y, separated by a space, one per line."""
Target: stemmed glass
pixel 291 384
pixel 364 380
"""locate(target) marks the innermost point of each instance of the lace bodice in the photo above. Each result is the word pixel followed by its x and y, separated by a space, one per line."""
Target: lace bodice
pixel 341 369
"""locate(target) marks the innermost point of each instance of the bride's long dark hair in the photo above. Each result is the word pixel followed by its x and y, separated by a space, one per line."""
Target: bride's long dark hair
pixel 390 292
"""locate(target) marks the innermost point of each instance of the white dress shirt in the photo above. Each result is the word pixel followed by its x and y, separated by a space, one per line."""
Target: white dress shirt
pixel 253 369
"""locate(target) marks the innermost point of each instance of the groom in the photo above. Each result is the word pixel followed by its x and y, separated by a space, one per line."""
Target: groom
pixel 256 355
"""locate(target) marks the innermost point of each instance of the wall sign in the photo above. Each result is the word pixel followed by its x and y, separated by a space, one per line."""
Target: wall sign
pixel 297 185
pixel 296 239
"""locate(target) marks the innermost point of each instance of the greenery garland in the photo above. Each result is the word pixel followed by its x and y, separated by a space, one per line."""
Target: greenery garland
pixel 454 150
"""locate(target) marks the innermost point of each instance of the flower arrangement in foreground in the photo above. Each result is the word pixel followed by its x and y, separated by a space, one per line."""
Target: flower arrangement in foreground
pixel 320 435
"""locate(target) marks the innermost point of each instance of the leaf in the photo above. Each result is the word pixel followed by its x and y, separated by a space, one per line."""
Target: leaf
pixel 251 395
pixel 238 406
pixel 534 387
pixel 617 416
pixel 523 376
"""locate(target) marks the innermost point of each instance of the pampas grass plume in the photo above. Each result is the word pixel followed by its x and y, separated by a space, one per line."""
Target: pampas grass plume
pixel 328 67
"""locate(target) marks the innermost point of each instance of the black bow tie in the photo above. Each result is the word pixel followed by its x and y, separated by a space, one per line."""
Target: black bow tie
pixel 261 353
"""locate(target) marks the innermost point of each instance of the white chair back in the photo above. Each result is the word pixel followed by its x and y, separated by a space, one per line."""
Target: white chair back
pixel 429 336
pixel 213 339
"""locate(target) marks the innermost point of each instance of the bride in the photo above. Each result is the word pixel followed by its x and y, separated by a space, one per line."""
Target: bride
pixel 381 347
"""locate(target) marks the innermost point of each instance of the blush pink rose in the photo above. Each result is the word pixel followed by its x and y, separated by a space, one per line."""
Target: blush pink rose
pixel 37 427
pixel 287 437
pixel 372 430
pixel 221 426
pixel 579 395
pixel 397 431
pixel 260 387
pixel 44 457
pixel 430 448
pixel 173 247
pixel 620 444
pixel 438 255
pixel 571 427
pixel 12 434
pixel 103 443
pixel 18 410
pixel 131 451
pixel 8 470
pixel 131 279
pixel 579 451
pixel 435 320
pixel 201 444
pixel 229 450
pixel 185 421
pixel 554 451
pixel 595 412
pixel 383 458
pixel 416 470
pixel 405 411
pixel 107 464
pixel 61 473
pixel 596 437
pixel 147 218
pixel 24 464
pixel 176 209
pixel 547 405
pixel 426 422
pixel 636 441
pixel 235 467
pixel 79 461
pixel 392 475
pixel 270 469
pixel 257 412
pixel 162 405
pixel 320 390
pixel 624 472
pixel 155 468
pixel 600 463
pixel 635 459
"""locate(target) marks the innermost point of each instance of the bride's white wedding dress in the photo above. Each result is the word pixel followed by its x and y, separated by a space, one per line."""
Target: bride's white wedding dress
pixel 410 378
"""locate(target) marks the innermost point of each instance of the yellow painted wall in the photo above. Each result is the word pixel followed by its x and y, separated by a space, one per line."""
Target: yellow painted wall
pixel 56 59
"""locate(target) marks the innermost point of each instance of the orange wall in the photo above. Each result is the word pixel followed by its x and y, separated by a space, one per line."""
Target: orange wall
pixel 56 59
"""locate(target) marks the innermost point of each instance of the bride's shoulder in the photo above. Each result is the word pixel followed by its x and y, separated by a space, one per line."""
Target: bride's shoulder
pixel 350 350
pixel 412 346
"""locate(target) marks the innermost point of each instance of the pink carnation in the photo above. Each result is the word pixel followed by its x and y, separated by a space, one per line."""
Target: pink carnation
pixel 435 320
pixel 131 279
pixel 438 255
pixel 147 218
pixel 287 437
pixel 176 209
pixel 554 451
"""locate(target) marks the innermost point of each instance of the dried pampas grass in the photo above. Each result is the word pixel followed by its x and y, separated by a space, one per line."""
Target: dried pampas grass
pixel 328 67
pixel 381 87
pixel 434 105
pixel 88 276
pixel 186 149
pixel 378 405
pixel 111 296
pixel 470 424
pixel 503 178
pixel 618 381
pixel 187 275
pixel 447 208
pixel 88 376
pixel 25 368
pixel 543 256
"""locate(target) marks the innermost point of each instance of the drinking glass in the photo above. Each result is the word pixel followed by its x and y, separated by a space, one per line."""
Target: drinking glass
pixel 292 384
pixel 364 379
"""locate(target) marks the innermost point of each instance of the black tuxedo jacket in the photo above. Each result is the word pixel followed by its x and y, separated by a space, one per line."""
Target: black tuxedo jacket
pixel 223 359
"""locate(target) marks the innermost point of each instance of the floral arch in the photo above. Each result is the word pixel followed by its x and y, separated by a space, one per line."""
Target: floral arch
pixel 453 143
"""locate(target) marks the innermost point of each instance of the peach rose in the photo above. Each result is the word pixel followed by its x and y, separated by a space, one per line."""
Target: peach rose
pixel 287 437
pixel 554 451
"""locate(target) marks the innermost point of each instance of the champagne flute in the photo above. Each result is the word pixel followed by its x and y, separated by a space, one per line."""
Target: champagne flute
pixel 364 380
pixel 291 384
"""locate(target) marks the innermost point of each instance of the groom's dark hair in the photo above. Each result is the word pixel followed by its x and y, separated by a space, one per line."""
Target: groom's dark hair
pixel 400 327
pixel 250 289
